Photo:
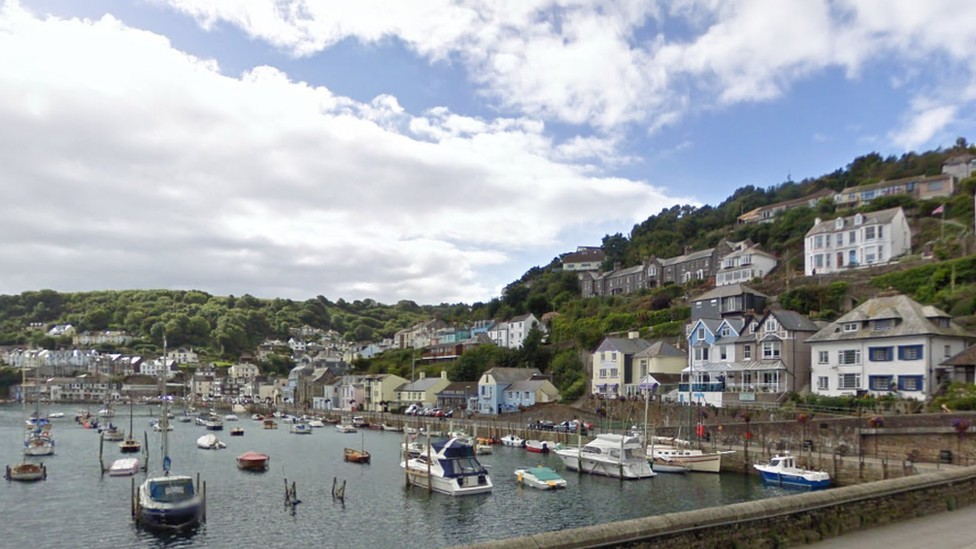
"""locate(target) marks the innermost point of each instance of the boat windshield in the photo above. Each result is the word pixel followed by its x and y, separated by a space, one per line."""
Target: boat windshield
pixel 171 490
pixel 461 466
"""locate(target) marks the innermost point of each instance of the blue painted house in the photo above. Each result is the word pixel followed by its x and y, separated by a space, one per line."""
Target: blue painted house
pixel 494 383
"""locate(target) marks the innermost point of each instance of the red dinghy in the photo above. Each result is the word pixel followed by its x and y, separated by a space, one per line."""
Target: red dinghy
pixel 253 461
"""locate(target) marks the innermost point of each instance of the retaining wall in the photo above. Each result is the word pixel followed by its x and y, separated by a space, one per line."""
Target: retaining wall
pixel 775 522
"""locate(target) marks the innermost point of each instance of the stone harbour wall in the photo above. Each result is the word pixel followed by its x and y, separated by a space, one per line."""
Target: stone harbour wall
pixel 775 522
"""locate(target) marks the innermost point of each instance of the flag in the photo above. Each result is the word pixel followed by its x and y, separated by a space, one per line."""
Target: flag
pixel 939 210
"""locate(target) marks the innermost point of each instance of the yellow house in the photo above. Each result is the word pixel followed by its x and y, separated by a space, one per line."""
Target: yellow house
pixel 423 391
pixel 380 390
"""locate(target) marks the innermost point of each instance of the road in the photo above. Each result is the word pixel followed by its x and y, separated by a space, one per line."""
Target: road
pixel 949 530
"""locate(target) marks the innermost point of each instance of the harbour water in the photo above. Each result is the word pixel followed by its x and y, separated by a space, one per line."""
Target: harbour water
pixel 78 507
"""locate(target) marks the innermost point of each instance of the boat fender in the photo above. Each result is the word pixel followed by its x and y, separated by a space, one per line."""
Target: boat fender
pixel 519 477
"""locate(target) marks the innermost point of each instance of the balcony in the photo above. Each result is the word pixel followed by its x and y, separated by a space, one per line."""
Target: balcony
pixel 718 387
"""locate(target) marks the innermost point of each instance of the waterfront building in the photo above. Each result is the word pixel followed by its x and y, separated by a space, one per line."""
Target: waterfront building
pixel 492 386
pixel 888 344
pixel 528 392
pixel 380 392
pixel 734 300
pixel 459 395
pixel 423 391
pixel 613 366
pixel 859 240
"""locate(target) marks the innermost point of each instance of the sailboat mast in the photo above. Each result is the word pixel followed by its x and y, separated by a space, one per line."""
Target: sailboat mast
pixel 164 415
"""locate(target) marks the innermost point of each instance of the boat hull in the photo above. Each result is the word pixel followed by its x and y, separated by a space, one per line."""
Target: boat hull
pixel 627 471
pixel 154 514
pixel 449 486
pixel 550 482
pixel 798 481
pixel 26 472
pixel 355 456
pixel 124 467
pixel 252 461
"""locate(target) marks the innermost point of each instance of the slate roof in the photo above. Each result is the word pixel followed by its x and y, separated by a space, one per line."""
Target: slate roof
pixel 880 217
pixel 701 254
pixel 912 318
pixel 511 375
pixel 793 321
pixel 660 348
pixel 530 385
pixel 421 385
pixel 727 291
pixel 625 345
pixel 596 256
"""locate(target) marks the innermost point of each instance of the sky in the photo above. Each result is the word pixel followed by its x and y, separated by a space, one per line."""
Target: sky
pixel 430 150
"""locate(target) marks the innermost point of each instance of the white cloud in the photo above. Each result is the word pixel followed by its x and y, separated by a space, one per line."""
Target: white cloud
pixel 128 163
pixel 609 63
pixel 923 124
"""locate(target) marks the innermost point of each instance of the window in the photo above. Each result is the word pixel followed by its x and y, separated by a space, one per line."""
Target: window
pixel 881 354
pixel 879 383
pixel 869 233
pixel 910 383
pixel 747 351
pixel 883 324
pixel 852 237
pixel 603 356
pixel 603 372
pixel 771 325
pixel 771 349
pixel 849 381
pixel 910 352
pixel 858 219
pixel 723 354
pixel 880 231
pixel 840 240
pixel 827 240
pixel 935 186
pixel 822 383
pixel 881 253
pixel 701 334
pixel 698 353
pixel 818 260
pixel 818 242
pixel 948 351
pixel 613 372
pixel 850 356
pixel 705 353
pixel 839 224
pixel 850 326
pixel 726 331
pixel 823 357
pixel 613 356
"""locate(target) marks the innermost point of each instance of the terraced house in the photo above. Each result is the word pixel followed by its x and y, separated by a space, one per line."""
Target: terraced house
pixel 859 240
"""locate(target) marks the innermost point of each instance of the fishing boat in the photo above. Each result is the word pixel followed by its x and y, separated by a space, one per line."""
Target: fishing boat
pixel 166 501
pixel 682 451
pixel 210 442
pixel 540 477
pixel 538 446
pixel 253 461
pixel 111 433
pixel 26 472
pixel 668 465
pixel 124 467
pixel 513 440
pixel 782 470
pixel 612 455
pixel 355 456
pixel 359 421
pixel 130 445
pixel 449 467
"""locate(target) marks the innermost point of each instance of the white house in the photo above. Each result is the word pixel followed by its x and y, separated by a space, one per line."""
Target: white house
pixel 888 344
pixel 183 356
pixel 499 334
pixel 520 326
pixel 858 240
pixel 746 262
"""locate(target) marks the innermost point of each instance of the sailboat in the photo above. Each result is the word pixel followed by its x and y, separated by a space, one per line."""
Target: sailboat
pixel 168 502
pixel 356 456
pixel 110 433
pixel 130 445
pixel 26 471
pixel 38 441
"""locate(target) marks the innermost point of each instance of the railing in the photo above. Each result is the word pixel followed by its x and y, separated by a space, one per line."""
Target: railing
pixel 703 387
pixel 755 388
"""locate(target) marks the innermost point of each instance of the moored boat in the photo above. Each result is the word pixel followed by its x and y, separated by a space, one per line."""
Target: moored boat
pixel 355 456
pixel 345 428
pixel 124 467
pixel 667 465
pixel 26 472
pixel 513 440
pixel 700 461
pixel 210 442
pixel 612 455
pixel 270 424
pixel 538 446
pixel 540 477
pixel 450 467
pixel 237 431
pixel 782 470
pixel 253 461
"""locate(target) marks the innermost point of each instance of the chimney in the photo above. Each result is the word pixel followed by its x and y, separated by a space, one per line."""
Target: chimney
pixel 422 376
pixel 816 221
pixel 616 265
pixel 443 374
pixel 687 250
pixel 633 334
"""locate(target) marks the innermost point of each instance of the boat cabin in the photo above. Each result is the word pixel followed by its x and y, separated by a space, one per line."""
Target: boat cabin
pixel 171 490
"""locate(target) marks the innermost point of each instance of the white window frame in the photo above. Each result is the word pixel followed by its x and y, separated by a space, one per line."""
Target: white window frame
pixel 823 357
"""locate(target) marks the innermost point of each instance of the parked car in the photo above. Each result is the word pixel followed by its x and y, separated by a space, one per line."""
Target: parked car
pixel 570 427
pixel 412 410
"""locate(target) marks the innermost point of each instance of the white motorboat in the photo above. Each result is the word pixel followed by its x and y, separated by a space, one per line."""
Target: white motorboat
pixel 513 440
pixel 618 456
pixel 55 415
pixel 359 421
pixel 316 423
pixel 156 426
pixel 124 467
pixel 301 428
pixel 231 417
pixel 112 433
pixel 413 448
pixel 210 442
pixel 483 449
pixel 783 471
pixel 448 466
pixel 345 428
pixel 540 477
pixel 681 451
pixel 214 423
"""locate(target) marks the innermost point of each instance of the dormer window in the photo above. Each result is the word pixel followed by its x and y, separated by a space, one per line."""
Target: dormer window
pixel 839 224
pixel 754 328
pixel 883 324
pixel 850 326
pixel 771 325
pixel 726 332
pixel 858 219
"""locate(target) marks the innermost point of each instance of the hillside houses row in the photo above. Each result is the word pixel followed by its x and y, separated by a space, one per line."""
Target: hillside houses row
pixel 887 345
pixel 445 341
pixel 726 263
